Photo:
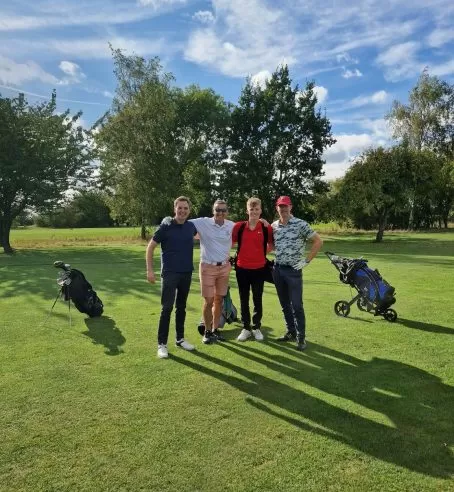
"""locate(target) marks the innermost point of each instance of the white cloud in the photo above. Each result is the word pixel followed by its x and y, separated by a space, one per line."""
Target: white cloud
pixel 381 131
pixel 84 12
pixel 346 58
pixel 347 74
pixel 204 16
pixel 90 48
pixel 440 37
pixel 443 69
pixel 321 93
pixel 399 61
pixel 18 73
pixel 73 73
pixel 158 4
pixel 260 78
pixel 252 37
pixel 379 97
pixel 339 156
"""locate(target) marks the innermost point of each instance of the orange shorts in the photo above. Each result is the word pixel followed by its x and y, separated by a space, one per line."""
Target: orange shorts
pixel 214 280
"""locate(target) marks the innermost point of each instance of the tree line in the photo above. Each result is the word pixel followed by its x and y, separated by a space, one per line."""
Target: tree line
pixel 159 141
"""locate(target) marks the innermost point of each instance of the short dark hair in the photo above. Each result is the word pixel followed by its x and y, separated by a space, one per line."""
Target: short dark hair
pixel 182 199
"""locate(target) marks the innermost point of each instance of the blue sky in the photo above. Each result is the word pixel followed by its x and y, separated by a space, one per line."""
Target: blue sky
pixel 362 55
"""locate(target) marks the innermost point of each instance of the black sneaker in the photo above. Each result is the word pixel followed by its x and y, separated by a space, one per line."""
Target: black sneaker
pixel 301 345
pixel 288 337
pixel 208 337
pixel 218 336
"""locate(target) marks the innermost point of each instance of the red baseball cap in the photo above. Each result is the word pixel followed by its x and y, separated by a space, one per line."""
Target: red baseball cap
pixel 284 200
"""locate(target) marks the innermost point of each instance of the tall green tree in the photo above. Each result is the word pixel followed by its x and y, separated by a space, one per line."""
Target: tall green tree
pixel 274 144
pixel 41 154
pixel 158 141
pixel 425 123
pixel 202 120
pixel 136 141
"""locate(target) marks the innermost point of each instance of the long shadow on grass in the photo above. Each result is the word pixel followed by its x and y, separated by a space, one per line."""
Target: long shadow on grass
pixel 103 331
pixel 113 272
pixel 416 406
pixel 419 325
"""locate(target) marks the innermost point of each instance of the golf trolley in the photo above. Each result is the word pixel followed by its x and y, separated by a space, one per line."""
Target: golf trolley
pixel 374 294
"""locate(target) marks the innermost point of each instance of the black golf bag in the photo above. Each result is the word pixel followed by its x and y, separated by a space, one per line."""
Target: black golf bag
pixel 374 293
pixel 75 287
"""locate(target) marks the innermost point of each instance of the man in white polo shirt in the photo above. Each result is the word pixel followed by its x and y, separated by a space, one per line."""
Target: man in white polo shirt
pixel 215 235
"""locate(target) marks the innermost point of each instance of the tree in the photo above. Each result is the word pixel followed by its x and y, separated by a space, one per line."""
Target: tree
pixel 426 122
pixel 88 208
pixel 202 119
pixel 375 185
pixel 158 141
pixel 42 154
pixel 274 145
pixel 136 141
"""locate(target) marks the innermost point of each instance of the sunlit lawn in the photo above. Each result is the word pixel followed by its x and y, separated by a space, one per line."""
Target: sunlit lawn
pixel 87 406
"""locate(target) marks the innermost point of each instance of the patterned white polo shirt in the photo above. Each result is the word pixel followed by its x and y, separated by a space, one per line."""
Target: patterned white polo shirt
pixel 290 240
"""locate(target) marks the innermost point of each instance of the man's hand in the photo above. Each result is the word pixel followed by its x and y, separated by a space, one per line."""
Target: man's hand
pixel 166 220
pixel 150 277
pixel 264 222
pixel 301 264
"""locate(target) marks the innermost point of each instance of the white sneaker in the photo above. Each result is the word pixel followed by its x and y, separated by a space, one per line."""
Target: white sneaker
pixel 258 334
pixel 185 345
pixel 244 335
pixel 163 353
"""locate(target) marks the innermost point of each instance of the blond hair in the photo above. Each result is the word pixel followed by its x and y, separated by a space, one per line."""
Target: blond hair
pixel 253 201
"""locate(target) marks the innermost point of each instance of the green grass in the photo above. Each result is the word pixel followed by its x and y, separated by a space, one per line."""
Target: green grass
pixel 88 406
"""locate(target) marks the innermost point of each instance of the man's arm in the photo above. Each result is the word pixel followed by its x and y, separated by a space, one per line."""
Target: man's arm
pixel 316 244
pixel 270 245
pixel 149 260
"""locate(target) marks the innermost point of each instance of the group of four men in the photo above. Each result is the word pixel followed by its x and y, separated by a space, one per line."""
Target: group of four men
pixel 255 237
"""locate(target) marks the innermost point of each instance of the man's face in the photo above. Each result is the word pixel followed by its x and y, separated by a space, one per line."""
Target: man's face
pixel 182 210
pixel 220 210
pixel 284 211
pixel 254 211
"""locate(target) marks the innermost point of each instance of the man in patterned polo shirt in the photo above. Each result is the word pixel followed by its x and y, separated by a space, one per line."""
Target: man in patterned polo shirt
pixel 290 235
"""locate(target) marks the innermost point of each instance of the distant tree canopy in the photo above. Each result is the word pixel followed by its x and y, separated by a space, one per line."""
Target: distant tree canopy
pixel 375 191
pixel 42 154
pixel 88 208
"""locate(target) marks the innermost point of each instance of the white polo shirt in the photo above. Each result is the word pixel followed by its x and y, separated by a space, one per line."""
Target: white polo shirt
pixel 215 239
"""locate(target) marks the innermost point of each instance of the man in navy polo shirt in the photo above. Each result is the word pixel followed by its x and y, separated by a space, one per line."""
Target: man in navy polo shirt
pixel 177 245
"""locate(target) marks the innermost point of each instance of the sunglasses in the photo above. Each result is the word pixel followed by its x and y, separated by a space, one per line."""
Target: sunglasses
pixel 220 210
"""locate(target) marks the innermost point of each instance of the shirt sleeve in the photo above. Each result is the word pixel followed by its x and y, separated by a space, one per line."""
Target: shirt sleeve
pixel 198 223
pixel 159 235
pixel 306 230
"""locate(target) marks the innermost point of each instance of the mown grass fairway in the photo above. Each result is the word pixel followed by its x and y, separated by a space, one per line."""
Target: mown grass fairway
pixel 89 407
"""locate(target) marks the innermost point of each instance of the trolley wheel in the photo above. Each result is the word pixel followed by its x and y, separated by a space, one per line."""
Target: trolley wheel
pixel 390 315
pixel 341 308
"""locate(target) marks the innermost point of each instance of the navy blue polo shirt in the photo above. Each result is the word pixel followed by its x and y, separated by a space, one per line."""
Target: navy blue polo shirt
pixel 177 246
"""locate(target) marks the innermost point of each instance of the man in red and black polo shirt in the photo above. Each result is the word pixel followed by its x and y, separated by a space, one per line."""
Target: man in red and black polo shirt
pixel 250 266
